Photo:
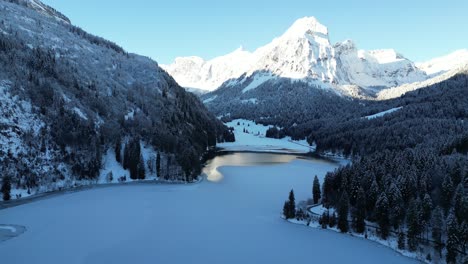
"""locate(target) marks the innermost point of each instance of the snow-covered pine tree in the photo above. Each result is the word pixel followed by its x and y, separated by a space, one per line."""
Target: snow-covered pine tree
pixel 452 237
pixel 382 215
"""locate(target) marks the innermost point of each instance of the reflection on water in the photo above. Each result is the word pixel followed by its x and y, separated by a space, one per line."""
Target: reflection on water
pixel 247 159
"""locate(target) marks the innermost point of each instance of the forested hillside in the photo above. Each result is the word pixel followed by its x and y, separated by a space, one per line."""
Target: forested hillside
pixel 68 96
pixel 410 169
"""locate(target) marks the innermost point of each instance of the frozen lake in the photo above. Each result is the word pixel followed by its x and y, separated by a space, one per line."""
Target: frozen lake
pixel 233 216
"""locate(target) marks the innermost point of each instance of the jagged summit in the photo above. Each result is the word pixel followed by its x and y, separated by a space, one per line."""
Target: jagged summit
pixel 306 26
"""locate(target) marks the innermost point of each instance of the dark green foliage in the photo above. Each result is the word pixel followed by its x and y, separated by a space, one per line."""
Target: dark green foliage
pixel 289 208
pixel 118 150
pixel 447 191
pixel 382 215
pixel 453 238
pixel 437 225
pixel 274 132
pixel 316 193
pixel 359 212
pixel 324 219
pixel 414 223
pixel 401 240
pixel 158 164
pixel 332 220
pixel 133 160
pixel 6 188
pixel 460 204
pixel 343 211
pixel 141 168
pixel 286 210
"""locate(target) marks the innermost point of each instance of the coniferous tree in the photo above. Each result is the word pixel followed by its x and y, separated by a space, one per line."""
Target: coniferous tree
pixel 401 240
pixel 343 210
pixel 332 221
pixel 459 203
pixel 6 188
pixel 126 157
pixel 158 164
pixel 289 208
pixel 414 220
pixel 286 210
pixel 141 168
pixel 292 204
pixel 452 238
pixel 396 206
pixel 359 212
pixel 316 194
pixel 447 193
pixel 437 225
pixel 325 219
pixel 382 215
pixel 118 149
pixel 372 196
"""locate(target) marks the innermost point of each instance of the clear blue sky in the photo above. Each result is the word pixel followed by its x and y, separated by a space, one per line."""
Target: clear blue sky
pixel 163 30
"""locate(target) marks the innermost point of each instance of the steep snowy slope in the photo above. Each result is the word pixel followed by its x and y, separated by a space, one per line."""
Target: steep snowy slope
pixel 42 8
pixel 303 52
pixel 444 64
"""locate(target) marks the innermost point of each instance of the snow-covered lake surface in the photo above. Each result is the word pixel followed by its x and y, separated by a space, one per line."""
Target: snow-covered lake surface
pixel 230 217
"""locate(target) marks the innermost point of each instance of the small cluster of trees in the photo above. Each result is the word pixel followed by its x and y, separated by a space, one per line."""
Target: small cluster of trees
pixel 133 159
pixel 6 188
pixel 274 132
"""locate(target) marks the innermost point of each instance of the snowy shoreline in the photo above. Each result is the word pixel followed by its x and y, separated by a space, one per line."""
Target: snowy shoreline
pixel 391 242
pixel 51 194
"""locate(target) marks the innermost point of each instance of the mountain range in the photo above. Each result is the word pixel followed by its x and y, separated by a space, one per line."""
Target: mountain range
pixel 304 53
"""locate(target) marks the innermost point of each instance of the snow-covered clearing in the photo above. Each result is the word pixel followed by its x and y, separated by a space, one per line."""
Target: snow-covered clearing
pixel 234 220
pixel 383 113
pixel 253 139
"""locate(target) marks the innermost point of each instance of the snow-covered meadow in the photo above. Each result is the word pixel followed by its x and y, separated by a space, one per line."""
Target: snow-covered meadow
pixel 251 137
pixel 235 219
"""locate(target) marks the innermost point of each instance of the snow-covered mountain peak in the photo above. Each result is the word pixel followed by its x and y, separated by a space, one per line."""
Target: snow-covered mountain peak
pixel 303 52
pixel 306 26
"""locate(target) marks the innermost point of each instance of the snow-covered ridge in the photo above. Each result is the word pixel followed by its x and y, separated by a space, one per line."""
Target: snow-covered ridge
pixel 394 92
pixel 303 52
pixel 446 63
pixel 43 9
